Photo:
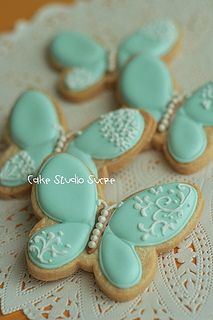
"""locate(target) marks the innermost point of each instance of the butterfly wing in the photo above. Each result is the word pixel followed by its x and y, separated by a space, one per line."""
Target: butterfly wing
pixel 67 196
pixel 155 215
pixel 34 128
pixel 156 39
pixel 112 135
pixel 147 219
pixel 85 60
pixel 187 139
pixel 199 106
pixel 56 245
pixel 118 261
pixel 145 83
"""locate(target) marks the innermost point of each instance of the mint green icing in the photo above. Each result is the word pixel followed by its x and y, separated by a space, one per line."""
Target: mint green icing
pixel 118 261
pixel 186 138
pixel 74 49
pixel 84 157
pixel 112 135
pixel 199 106
pixel 57 245
pixel 145 83
pixel 156 39
pixel 78 79
pixel 155 215
pixel 67 201
pixel 34 128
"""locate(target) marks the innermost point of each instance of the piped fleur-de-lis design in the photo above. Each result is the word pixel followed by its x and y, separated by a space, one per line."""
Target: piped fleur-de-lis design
pixel 46 244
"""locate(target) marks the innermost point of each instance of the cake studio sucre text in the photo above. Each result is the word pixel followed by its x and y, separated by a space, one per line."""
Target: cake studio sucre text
pixel 59 179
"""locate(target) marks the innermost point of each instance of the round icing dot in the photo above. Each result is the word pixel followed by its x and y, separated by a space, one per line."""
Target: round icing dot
pixel 101 219
pixel 94 238
pixel 96 232
pixel 92 244
pixel 99 225
pixel 105 213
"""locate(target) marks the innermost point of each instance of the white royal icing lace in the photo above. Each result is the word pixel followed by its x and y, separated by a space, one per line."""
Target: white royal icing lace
pixel 18 167
pixel 120 128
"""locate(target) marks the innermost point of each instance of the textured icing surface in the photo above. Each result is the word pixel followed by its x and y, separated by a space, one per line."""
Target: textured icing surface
pixel 69 202
pixel 78 79
pixel 186 138
pixel 74 49
pixel 54 246
pixel 199 106
pixel 145 83
pixel 112 135
pixel 119 262
pixel 157 39
pixel 155 215
pixel 35 128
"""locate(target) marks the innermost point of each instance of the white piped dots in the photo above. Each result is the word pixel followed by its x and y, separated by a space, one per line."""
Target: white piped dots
pixel 99 225
pixel 96 232
pixel 101 219
pixel 164 122
pixel 92 244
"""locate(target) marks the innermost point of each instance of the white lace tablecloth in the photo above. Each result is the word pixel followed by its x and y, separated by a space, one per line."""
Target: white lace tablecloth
pixel 183 286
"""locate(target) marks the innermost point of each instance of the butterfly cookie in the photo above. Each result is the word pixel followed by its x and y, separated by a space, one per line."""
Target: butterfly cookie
pixel 35 128
pixel 86 67
pixel 119 243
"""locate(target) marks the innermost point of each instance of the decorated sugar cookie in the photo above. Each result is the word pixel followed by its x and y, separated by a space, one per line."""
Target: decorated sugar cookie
pixel 145 83
pixel 188 145
pixel 87 67
pixel 35 129
pixel 119 243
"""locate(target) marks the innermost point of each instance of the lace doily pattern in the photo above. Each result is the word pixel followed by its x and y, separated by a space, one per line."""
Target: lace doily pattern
pixel 183 286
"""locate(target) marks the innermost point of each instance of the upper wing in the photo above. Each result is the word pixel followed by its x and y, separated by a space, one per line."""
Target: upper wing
pixel 156 39
pixel 54 246
pixel 34 120
pixel 145 83
pixel 118 261
pixel 199 106
pixel 85 60
pixel 74 49
pixel 155 215
pixel 112 135
pixel 64 193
